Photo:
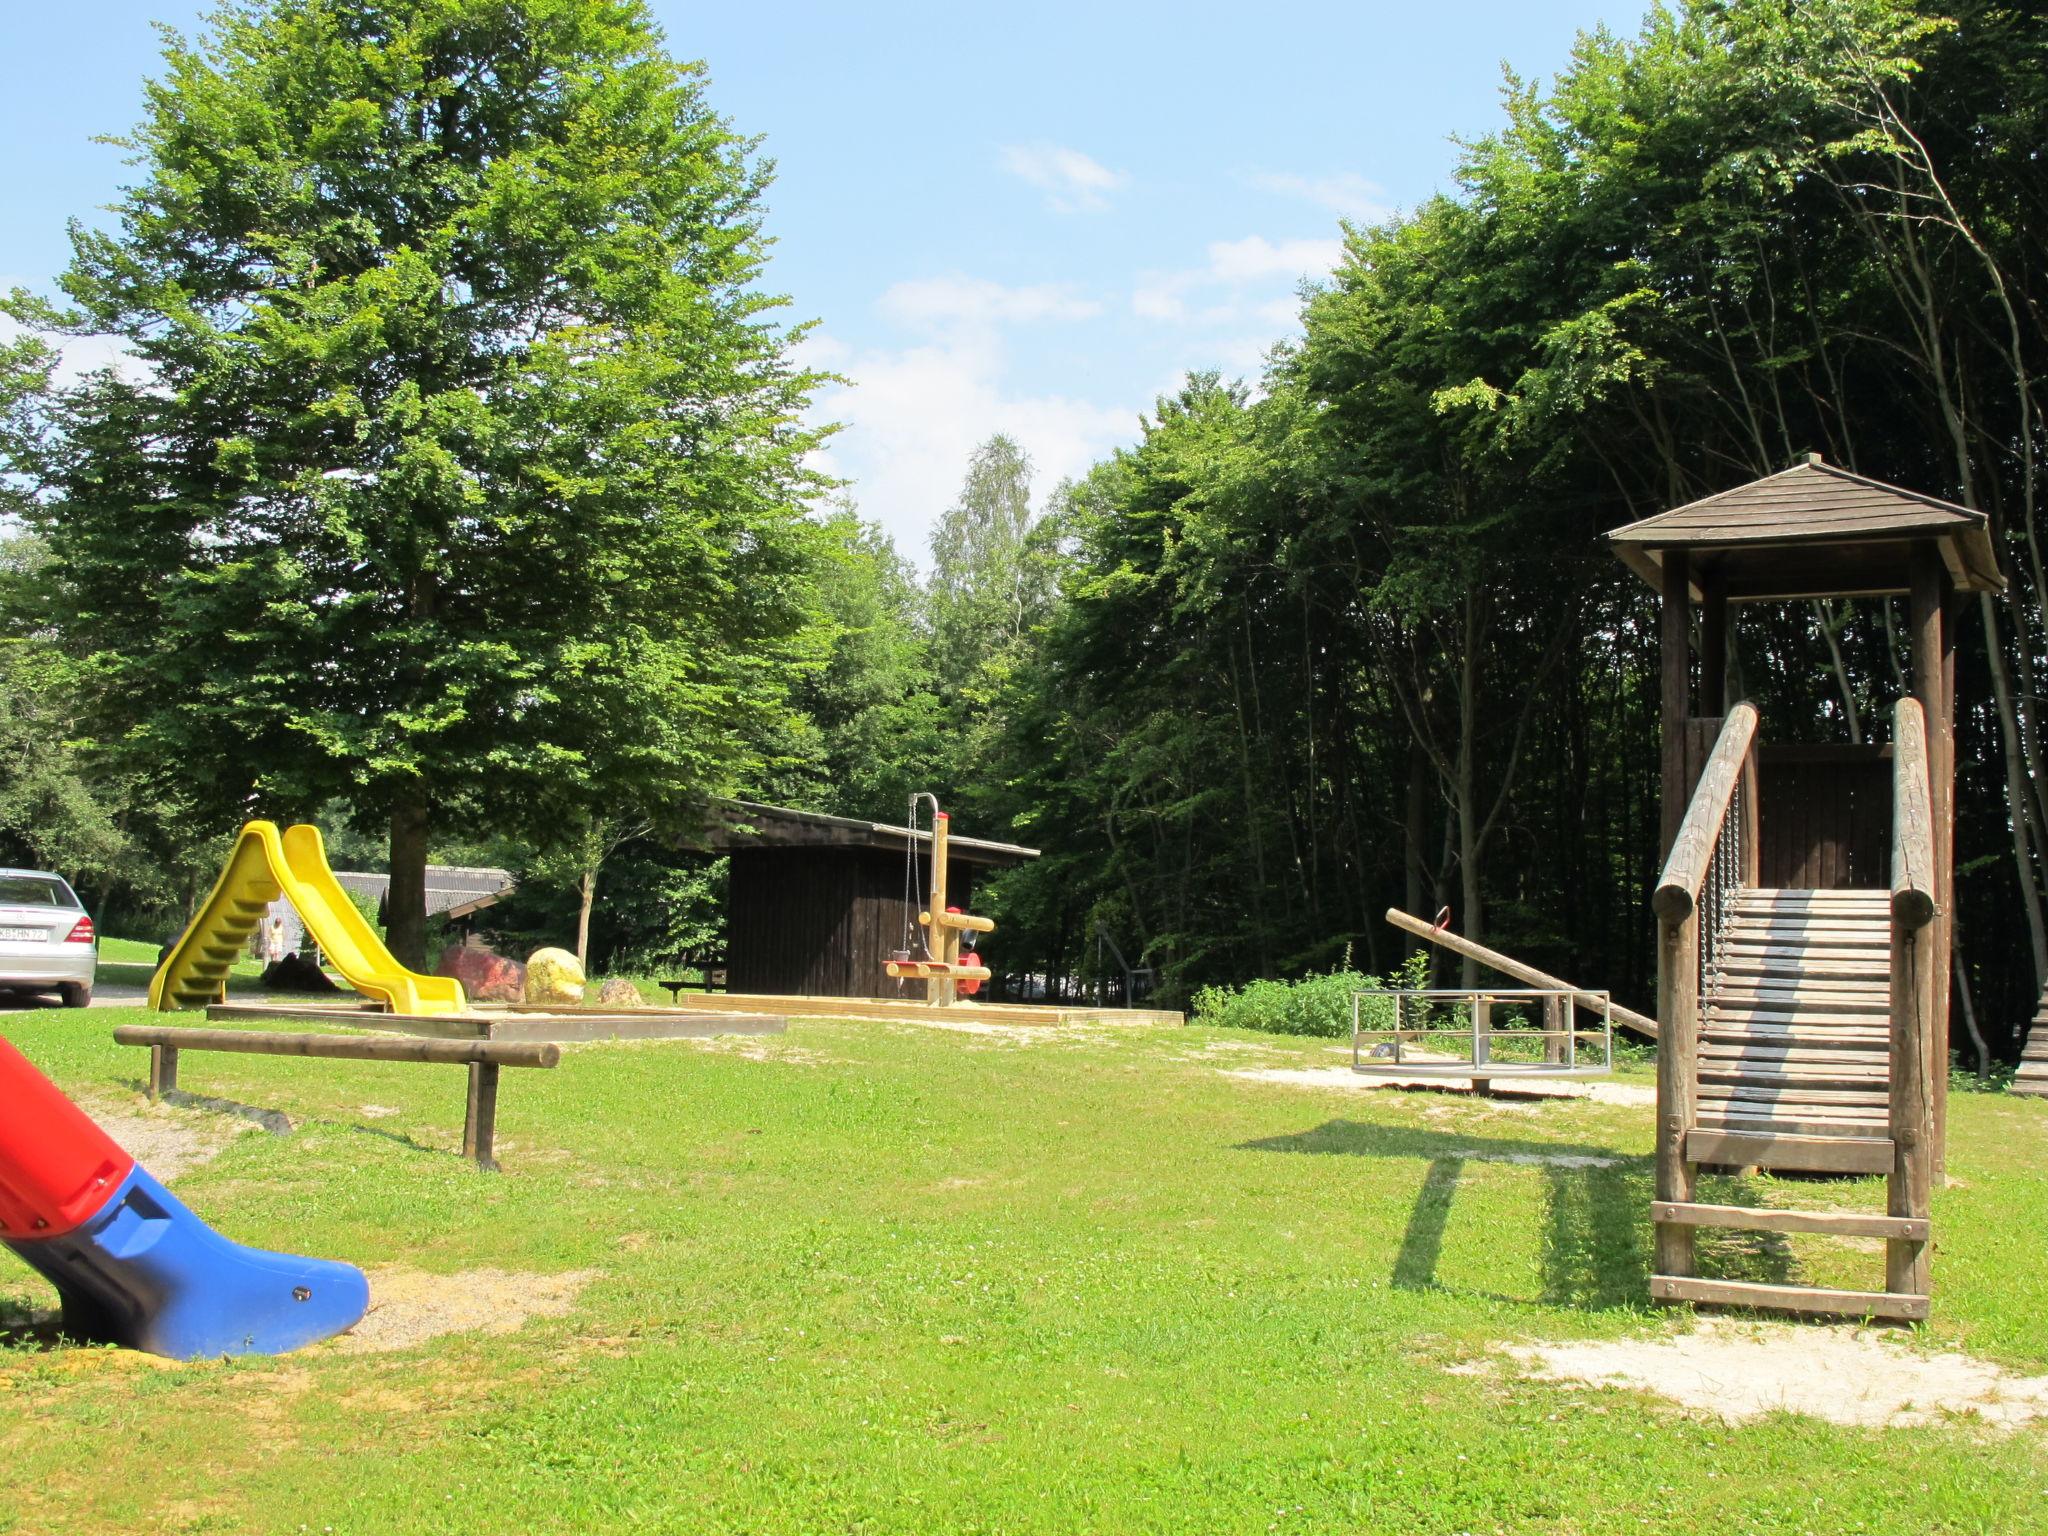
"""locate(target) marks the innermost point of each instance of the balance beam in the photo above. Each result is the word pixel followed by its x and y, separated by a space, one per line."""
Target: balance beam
pixel 1528 975
pixel 484 1058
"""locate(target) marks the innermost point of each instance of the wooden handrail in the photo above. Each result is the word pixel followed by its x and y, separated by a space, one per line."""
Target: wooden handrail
pixel 1912 819
pixel 1693 849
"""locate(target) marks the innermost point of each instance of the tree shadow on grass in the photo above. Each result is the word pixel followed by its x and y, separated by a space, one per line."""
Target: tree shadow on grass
pixel 1595 1208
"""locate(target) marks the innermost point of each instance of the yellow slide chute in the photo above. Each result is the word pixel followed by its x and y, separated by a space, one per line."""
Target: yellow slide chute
pixel 265 865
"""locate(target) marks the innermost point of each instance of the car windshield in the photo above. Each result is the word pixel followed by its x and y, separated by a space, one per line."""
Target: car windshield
pixel 35 891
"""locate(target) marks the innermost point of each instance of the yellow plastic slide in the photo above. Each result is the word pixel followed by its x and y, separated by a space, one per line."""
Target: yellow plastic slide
pixel 263 867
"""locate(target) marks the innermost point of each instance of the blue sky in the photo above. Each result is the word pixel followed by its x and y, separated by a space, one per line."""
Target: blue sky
pixel 1022 219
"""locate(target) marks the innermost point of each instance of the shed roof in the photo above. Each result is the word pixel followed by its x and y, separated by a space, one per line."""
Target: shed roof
pixel 1813 530
pixel 733 825
pixel 453 890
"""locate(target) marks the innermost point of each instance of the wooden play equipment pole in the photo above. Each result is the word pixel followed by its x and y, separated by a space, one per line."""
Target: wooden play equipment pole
pixel 942 972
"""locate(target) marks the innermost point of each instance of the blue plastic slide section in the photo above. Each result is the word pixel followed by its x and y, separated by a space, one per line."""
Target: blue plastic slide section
pixel 147 1273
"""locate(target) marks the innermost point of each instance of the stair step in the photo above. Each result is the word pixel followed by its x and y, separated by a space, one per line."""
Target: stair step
pixel 1849 1066
pixel 1766 1091
pixel 1791 1298
pixel 1775 968
pixel 1742 1218
pixel 1851 1023
pixel 1805 1125
pixel 1744 990
pixel 1808 955
pixel 1834 1150
pixel 1752 936
pixel 1778 1055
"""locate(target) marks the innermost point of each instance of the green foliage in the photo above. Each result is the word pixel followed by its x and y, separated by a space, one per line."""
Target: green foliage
pixel 1315 1005
pixel 468 480
pixel 367 905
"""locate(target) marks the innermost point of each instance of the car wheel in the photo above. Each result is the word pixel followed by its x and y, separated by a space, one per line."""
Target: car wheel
pixel 75 994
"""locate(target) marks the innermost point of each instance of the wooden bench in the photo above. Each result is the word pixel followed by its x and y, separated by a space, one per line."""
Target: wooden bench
pixel 709 962
pixel 484 1058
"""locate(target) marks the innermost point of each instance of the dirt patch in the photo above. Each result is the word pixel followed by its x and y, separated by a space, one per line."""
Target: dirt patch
pixel 1535 1159
pixel 1738 1371
pixel 763 1048
pixel 409 1306
pixel 170 1142
pixel 1628 1095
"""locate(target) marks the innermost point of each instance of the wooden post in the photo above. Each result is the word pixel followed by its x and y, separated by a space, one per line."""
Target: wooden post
pixel 1915 1068
pixel 163 1072
pixel 1678 1002
pixel 1482 1027
pixel 1555 1018
pixel 1713 642
pixel 480 1121
pixel 1933 671
pixel 1677 694
pixel 941 991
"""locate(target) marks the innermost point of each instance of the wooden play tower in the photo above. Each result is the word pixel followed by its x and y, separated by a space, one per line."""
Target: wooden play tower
pixel 1803 909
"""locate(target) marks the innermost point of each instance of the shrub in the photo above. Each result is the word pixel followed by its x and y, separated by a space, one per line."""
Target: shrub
pixel 1315 1005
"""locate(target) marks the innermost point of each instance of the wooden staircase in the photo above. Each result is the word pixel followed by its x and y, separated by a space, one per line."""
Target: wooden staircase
pixel 1795 1025
pixel 1781 1016
pixel 2032 1077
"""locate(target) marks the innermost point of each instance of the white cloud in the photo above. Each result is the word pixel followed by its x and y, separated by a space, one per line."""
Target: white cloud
pixel 78 356
pixel 938 302
pixel 1247 260
pixel 1236 285
pixel 1347 194
pixel 911 416
pixel 1072 182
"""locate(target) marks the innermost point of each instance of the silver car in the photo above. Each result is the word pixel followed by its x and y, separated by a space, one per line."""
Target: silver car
pixel 47 943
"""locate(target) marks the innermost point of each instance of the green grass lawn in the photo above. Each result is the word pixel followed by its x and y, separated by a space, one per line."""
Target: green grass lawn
pixel 881 1278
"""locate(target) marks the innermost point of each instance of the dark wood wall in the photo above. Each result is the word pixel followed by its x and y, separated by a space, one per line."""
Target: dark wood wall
pixel 1824 817
pixel 822 922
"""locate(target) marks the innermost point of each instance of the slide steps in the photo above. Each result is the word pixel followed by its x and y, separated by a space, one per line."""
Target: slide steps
pixel 1793 1072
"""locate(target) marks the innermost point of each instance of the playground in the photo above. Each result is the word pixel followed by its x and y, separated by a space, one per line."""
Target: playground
pixel 896 1276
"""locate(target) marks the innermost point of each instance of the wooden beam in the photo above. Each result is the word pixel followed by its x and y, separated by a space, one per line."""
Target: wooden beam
pixel 1528 975
pixel 1742 1218
pixel 1791 1298
pixel 1713 641
pixel 1805 1154
pixel 342 1047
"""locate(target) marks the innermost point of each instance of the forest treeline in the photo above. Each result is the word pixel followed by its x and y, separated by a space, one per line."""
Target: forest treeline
pixel 1340 637
pixel 1353 640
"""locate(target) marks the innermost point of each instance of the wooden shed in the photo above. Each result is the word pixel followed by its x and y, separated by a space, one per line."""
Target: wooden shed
pixel 1803 908
pixel 816 904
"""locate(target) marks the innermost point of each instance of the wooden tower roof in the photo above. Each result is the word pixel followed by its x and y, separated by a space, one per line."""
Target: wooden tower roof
pixel 1812 531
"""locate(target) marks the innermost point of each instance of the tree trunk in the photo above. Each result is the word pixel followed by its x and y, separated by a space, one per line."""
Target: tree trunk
pixel 1472 921
pixel 586 888
pixel 405 904
pixel 1415 835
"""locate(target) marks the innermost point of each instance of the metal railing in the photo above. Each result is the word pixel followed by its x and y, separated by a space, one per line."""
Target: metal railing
pixel 1491 1050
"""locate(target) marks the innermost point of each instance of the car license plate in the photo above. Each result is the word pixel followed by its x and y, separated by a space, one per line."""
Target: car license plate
pixel 22 935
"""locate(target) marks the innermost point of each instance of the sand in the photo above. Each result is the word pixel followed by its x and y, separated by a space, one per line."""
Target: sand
pixel 1736 1371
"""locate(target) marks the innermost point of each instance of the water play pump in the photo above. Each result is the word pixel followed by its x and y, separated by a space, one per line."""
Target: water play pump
pixel 132 1264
